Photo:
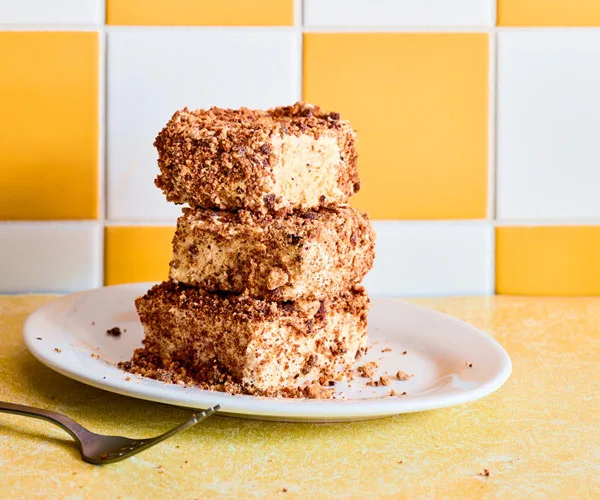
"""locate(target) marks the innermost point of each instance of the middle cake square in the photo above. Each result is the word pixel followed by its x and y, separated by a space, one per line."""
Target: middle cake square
pixel 310 255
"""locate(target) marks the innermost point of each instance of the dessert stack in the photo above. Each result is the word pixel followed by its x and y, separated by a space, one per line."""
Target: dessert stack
pixel 264 292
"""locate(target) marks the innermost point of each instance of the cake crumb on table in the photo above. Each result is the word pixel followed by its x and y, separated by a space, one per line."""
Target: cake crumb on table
pixel 485 473
pixel 402 375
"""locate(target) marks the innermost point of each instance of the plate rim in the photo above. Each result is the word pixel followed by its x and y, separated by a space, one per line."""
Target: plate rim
pixel 274 408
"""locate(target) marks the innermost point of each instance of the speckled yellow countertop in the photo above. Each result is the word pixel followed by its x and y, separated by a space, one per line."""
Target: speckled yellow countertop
pixel 538 435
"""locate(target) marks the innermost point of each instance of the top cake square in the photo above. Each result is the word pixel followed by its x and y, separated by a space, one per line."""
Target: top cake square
pixel 283 159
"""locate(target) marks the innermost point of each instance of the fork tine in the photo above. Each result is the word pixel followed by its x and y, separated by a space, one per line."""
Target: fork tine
pixel 144 444
pixel 196 417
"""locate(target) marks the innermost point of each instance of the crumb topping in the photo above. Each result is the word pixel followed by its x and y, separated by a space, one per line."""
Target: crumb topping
pixel 146 362
pixel 241 345
pixel 305 255
pixel 225 158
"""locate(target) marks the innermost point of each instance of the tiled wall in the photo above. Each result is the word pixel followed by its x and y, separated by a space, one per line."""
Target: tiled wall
pixel 479 130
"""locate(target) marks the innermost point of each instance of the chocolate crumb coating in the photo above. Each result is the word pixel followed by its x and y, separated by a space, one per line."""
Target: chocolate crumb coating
pixel 259 347
pixel 286 158
pixel 310 255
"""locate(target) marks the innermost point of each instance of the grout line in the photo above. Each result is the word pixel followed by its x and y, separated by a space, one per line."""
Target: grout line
pixel 548 222
pixel 501 29
pixel 416 222
pixel 50 27
pixel 399 29
pixel 524 222
pixel 491 104
pixel 492 263
pixel 102 88
pixel 492 148
pixel 25 224
pixel 299 21
pixel 133 28
pixel 187 29
pixel 298 13
pixel 492 142
pixel 140 223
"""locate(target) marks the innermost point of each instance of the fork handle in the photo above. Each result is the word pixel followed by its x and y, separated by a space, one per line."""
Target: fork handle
pixel 73 428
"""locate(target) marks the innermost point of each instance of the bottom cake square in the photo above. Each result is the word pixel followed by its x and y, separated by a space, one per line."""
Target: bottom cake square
pixel 244 345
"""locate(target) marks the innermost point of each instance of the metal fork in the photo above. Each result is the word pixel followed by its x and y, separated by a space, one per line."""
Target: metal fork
pixel 97 448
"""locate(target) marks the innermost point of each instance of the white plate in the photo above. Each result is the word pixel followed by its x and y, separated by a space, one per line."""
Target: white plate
pixel 65 333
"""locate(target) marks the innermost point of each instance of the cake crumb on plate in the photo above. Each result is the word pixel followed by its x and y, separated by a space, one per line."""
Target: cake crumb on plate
pixel 367 370
pixel 115 331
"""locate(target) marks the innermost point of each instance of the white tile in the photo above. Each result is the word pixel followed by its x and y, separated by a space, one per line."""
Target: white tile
pixel 49 256
pixel 548 124
pixel 152 74
pixel 50 11
pixel 390 13
pixel 432 258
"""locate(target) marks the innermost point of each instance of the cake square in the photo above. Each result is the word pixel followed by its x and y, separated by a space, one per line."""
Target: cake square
pixel 309 255
pixel 260 347
pixel 286 158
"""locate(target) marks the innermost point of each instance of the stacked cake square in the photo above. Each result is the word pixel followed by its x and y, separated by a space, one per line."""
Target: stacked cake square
pixel 264 292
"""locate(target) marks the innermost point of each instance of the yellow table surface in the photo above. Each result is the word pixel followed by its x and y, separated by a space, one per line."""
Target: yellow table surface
pixel 538 435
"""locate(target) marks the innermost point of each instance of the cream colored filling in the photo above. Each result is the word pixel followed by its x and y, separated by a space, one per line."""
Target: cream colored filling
pixel 218 262
pixel 265 366
pixel 306 169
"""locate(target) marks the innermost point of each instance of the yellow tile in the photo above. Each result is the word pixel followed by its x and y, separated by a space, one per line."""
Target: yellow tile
pixel 548 260
pixel 548 13
pixel 200 12
pixel 419 104
pixel 48 125
pixel 137 254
